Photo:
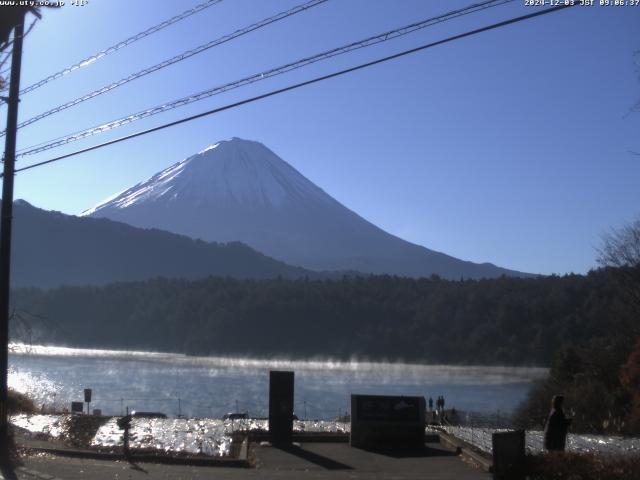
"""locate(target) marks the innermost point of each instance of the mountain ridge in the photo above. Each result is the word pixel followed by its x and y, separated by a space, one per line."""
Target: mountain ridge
pixel 240 190
pixel 51 249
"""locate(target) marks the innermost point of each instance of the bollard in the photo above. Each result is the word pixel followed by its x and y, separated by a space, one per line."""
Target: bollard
pixel 508 454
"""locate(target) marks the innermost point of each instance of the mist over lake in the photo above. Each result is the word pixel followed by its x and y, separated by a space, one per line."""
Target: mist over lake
pixel 211 386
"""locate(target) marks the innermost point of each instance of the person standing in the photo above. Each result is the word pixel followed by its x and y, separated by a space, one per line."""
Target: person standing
pixel 556 426
pixel 125 424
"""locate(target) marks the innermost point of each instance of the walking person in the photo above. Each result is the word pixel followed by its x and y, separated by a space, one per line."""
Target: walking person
pixel 439 408
pixel 556 426
pixel 125 424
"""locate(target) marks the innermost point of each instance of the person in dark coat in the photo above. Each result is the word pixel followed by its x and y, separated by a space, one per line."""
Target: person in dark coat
pixel 556 426
pixel 125 424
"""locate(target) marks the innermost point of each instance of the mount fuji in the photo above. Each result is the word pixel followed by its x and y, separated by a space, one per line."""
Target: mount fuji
pixel 239 190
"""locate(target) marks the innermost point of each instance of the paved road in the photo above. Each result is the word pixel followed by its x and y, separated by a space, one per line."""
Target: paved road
pixel 309 461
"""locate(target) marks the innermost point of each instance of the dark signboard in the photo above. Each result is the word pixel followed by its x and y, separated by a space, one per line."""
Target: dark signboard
pixel 508 453
pixel 87 395
pixel 389 409
pixel 387 422
pixel 281 406
pixel 77 407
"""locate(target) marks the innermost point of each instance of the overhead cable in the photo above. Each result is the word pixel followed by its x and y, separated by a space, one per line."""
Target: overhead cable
pixel 114 48
pixel 383 37
pixel 301 84
pixel 178 58
pixel 10 52
pixel 10 42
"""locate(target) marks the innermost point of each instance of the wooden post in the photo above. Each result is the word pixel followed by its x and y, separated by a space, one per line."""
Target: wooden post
pixel 5 232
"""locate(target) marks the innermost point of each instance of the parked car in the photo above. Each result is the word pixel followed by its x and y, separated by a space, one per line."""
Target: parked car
pixel 148 414
pixel 235 416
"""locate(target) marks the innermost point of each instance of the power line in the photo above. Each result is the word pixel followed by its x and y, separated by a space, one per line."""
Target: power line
pixel 7 56
pixel 11 42
pixel 10 52
pixel 380 38
pixel 68 138
pixel 3 82
pixel 303 84
pixel 178 58
pixel 114 48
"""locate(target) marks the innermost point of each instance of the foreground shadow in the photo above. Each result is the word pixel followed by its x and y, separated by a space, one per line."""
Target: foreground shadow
pixel 134 466
pixel 411 452
pixel 8 473
pixel 321 461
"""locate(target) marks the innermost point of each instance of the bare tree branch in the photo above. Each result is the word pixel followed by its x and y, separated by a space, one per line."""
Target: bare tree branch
pixel 620 251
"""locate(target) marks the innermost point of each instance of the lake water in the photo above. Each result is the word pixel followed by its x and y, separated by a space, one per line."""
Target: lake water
pixel 204 387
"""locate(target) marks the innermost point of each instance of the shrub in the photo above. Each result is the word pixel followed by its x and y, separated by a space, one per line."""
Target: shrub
pixel 20 403
pixel 573 466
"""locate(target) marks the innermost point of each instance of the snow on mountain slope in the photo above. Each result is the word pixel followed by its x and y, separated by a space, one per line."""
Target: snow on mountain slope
pixel 240 190
pixel 234 171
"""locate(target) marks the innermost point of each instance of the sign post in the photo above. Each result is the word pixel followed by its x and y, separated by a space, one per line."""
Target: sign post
pixel 87 398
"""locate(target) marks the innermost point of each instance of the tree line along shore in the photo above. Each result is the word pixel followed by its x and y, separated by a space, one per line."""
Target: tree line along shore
pixel 504 321
pixel 582 326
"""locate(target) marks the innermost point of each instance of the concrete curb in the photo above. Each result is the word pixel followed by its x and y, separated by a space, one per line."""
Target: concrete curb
pixel 31 473
pixel 464 449
pixel 240 462
pixel 307 437
pixel 34 474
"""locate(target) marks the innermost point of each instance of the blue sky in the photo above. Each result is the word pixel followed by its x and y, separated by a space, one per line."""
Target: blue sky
pixel 512 147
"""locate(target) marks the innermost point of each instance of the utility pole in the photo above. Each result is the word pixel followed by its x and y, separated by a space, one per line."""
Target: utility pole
pixel 5 232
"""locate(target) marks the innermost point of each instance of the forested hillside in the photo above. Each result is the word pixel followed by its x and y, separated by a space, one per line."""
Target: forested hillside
pixel 52 249
pixel 500 321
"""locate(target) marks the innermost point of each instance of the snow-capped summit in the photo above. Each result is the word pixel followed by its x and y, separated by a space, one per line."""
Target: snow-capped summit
pixel 230 171
pixel 240 190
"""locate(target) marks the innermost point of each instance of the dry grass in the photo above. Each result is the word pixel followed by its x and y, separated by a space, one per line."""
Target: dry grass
pixel 82 429
pixel 17 403
pixel 20 403
pixel 572 466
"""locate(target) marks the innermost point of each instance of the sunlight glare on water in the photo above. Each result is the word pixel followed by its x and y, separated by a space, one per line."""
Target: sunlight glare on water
pixel 41 389
pixel 211 386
